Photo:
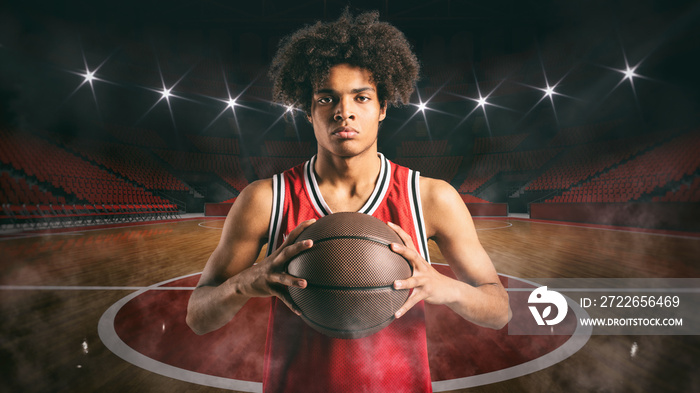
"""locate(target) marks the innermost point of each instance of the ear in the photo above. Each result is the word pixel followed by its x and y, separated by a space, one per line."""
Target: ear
pixel 382 111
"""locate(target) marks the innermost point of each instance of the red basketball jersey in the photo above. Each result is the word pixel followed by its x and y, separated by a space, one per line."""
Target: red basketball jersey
pixel 297 357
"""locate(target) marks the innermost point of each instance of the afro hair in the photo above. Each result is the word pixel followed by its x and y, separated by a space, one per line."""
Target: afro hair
pixel 305 58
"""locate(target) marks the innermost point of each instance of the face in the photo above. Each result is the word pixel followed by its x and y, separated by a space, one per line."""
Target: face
pixel 345 112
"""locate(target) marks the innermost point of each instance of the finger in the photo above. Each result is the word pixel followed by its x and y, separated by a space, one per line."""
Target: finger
pixel 290 251
pixel 410 302
pixel 405 237
pixel 297 231
pixel 410 254
pixel 409 283
pixel 287 280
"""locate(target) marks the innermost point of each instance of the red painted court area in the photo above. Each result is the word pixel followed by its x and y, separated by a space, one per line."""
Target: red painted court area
pixel 153 324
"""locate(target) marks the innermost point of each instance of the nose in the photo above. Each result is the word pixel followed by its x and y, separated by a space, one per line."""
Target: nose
pixel 344 110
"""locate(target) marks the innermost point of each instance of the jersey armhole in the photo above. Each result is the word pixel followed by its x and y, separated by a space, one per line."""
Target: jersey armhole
pixel 278 190
pixel 417 213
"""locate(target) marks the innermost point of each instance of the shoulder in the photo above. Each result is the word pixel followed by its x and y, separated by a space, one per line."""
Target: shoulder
pixel 253 208
pixel 257 194
pixel 438 193
pixel 443 208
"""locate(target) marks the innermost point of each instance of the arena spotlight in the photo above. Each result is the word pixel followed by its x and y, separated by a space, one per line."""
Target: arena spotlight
pixel 89 76
pixel 166 93
pixel 629 73
pixel 481 102
pixel 288 109
pixel 231 103
pixel 549 91
pixel 422 107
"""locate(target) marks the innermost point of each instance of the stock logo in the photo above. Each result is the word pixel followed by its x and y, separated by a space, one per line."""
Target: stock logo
pixel 542 296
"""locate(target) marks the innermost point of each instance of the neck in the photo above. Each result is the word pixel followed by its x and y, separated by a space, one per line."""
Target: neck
pixel 347 183
pixel 362 168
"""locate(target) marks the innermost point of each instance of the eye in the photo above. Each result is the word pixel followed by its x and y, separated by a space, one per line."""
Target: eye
pixel 325 100
pixel 363 98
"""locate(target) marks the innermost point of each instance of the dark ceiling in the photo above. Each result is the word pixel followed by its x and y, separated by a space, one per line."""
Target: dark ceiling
pixel 502 45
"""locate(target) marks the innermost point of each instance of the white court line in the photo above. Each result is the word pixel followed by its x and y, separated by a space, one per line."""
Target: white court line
pixel 114 343
pixel 510 224
pixel 577 340
pixel 110 338
pixel 204 226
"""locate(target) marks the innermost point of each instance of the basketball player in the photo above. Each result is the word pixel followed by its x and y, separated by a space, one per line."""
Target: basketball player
pixel 344 75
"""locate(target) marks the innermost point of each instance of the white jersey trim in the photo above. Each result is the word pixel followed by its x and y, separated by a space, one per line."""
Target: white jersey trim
pixel 374 201
pixel 417 213
pixel 278 191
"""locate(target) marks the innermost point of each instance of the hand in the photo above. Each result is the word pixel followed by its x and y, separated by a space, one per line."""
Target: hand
pixel 268 277
pixel 427 283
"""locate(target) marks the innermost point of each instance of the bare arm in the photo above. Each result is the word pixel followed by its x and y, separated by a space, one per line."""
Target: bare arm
pixel 477 295
pixel 230 276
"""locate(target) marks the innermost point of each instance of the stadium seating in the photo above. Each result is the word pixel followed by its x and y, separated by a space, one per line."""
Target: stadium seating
pixel 581 162
pixel 684 193
pixel 227 167
pixel 101 195
pixel 131 162
pixel 485 166
pixel 642 175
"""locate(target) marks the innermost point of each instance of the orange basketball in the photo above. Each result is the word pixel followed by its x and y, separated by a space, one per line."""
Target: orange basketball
pixel 350 272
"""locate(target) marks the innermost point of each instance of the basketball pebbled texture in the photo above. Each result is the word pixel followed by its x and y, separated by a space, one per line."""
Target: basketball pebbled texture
pixel 350 272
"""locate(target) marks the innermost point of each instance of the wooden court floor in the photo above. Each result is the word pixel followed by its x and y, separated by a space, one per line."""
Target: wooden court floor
pixel 54 288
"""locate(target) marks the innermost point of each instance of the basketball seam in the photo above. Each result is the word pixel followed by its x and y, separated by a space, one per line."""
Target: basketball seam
pixel 346 288
pixel 355 237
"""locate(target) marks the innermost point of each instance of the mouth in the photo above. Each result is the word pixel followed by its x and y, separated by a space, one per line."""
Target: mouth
pixel 345 132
